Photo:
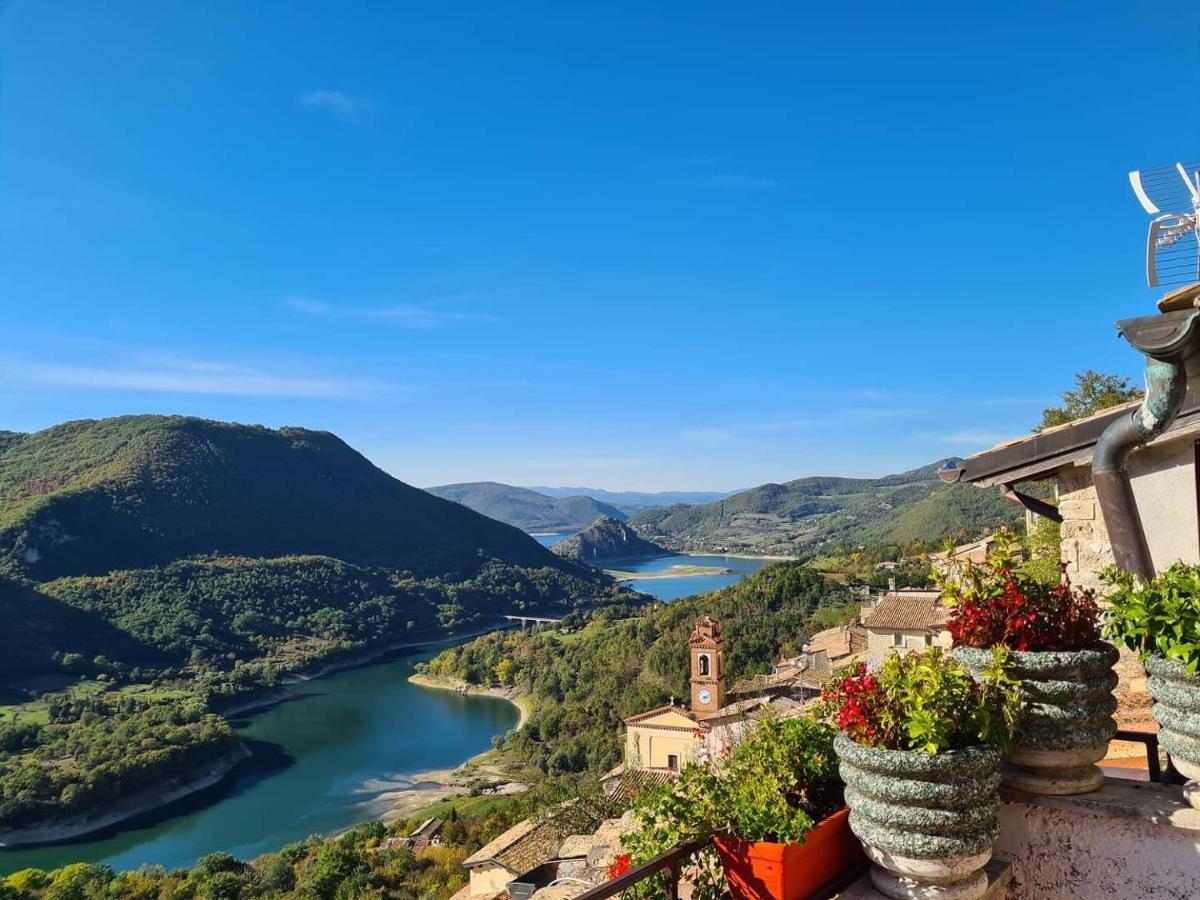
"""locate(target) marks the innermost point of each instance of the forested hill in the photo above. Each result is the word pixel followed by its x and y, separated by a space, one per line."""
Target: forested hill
pixel 584 684
pixel 91 496
pixel 240 551
pixel 810 513
pixel 607 539
pixel 526 509
pixel 153 566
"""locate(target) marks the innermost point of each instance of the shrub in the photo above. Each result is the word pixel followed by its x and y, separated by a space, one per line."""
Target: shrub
pixel 928 702
pixel 997 605
pixel 1158 617
pixel 774 785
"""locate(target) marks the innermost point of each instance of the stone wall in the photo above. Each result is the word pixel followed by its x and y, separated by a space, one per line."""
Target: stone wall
pixel 1085 545
pixel 1127 841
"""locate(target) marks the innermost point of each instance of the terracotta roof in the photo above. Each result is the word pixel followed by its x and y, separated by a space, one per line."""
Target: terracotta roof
pixel 908 610
pixel 649 714
pixel 1038 455
pixel 525 846
pixel 627 784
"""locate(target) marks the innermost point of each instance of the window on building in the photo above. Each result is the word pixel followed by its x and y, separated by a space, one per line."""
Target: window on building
pixel 929 640
pixel 672 762
pixel 897 639
pixel 704 664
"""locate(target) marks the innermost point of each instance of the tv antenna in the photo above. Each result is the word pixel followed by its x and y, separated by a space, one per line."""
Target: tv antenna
pixel 1172 195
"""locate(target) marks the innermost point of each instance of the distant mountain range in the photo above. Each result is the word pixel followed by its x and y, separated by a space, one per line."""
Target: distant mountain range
pixel 527 509
pixel 811 513
pixel 631 500
pixel 607 539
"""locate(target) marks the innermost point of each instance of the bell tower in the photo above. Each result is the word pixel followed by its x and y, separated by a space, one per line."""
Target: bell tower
pixel 707 648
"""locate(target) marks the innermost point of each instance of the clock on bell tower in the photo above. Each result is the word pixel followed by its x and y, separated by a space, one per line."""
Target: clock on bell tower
pixel 707 648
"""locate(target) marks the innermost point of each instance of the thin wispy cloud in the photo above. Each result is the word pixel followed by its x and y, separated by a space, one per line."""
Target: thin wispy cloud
pixel 183 376
pixel 736 182
pixel 428 314
pixel 972 437
pixel 710 171
pixel 344 106
pixel 747 429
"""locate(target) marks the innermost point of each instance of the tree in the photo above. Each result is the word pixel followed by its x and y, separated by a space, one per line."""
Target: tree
pixel 1093 392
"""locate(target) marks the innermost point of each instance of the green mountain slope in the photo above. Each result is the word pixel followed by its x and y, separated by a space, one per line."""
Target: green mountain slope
pixel 92 496
pixel 236 551
pixel 812 512
pixel 526 509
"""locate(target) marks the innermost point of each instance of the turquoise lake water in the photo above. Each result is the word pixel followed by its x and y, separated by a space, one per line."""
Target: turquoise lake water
pixel 674 588
pixel 321 762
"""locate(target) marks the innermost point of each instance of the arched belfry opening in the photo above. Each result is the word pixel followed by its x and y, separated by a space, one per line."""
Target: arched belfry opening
pixel 707 648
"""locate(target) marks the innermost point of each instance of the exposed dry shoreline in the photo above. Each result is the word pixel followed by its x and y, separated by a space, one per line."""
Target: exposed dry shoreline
pixel 68 829
pixel 65 830
pixel 442 683
pixel 442 784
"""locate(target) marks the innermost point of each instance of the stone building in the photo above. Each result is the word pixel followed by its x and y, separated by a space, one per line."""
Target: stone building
pixel 905 620
pixel 1163 476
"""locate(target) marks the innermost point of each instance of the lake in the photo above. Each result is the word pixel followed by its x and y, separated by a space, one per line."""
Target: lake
pixel 321 762
pixel 685 585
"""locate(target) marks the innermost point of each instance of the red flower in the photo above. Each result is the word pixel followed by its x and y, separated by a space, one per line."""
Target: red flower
pixel 619 866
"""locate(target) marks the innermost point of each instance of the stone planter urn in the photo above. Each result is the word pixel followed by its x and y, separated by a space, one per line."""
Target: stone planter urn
pixel 1177 711
pixel 927 823
pixel 1068 721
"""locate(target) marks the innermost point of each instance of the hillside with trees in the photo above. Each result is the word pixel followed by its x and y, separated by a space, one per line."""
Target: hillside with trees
pixel 607 539
pixel 624 662
pixel 812 514
pixel 177 564
pixel 527 509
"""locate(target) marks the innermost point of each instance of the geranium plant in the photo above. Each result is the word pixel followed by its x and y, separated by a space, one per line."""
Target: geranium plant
pixel 1158 617
pixel 998 605
pixel 779 781
pixel 927 702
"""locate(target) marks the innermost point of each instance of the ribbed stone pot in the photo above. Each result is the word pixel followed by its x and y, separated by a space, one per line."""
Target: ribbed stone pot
pixel 927 822
pixel 1177 710
pixel 1068 720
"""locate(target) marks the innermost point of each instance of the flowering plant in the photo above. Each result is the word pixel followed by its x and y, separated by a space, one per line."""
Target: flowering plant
pixel 997 605
pixel 619 866
pixel 928 702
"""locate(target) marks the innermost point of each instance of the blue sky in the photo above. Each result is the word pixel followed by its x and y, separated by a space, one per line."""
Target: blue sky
pixel 630 245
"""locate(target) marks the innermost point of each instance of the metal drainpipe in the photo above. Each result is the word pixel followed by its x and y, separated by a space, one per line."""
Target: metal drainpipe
pixel 1166 385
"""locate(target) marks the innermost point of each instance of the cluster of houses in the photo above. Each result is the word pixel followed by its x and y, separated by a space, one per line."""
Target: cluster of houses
pixel 537 860
pixel 534 861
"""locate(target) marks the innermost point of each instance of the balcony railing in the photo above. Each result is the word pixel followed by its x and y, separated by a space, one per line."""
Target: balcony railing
pixel 672 863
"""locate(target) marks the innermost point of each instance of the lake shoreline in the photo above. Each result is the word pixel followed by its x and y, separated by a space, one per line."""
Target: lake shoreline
pixel 673 572
pixel 65 831
pixel 437 785
pixel 260 701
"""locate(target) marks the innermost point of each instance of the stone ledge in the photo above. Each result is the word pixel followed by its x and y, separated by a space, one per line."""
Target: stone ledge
pixel 999 873
pixel 1156 804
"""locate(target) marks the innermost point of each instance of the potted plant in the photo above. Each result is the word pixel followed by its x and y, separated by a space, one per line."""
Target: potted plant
pixel 1160 619
pixel 920 751
pixel 1052 633
pixel 773 808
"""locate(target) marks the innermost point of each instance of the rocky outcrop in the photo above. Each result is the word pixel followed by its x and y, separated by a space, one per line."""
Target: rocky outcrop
pixel 607 539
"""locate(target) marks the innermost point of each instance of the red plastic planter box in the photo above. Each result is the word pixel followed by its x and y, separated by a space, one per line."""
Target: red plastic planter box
pixel 757 870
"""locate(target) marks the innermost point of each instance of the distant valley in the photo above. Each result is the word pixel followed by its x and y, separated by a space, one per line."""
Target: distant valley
pixel 633 500
pixel 527 509
pixel 809 514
